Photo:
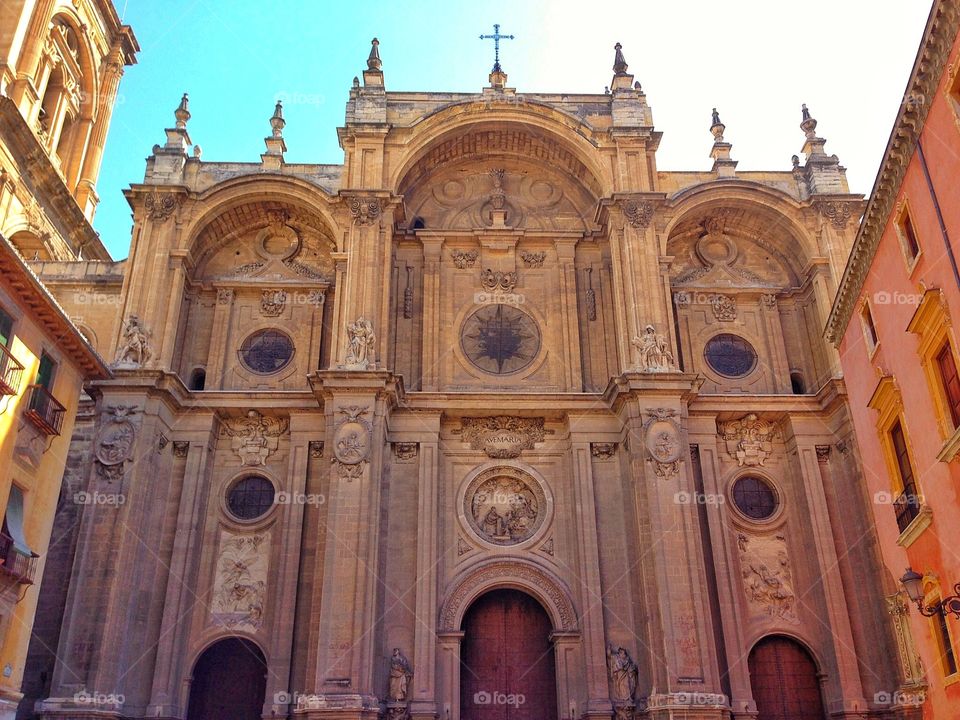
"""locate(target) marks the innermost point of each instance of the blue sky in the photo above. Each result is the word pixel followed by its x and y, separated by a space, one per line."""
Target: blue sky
pixel 755 60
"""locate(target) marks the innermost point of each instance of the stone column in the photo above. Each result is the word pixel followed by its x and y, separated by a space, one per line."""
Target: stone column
pixel 825 554
pixel 180 592
pixel 430 368
pixel 591 593
pixel 448 667
pixel 569 315
pixel 567 651
pixel 355 404
pixel 770 315
pixel 423 705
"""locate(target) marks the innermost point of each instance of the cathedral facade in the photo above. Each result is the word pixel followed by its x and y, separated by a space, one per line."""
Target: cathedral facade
pixel 496 419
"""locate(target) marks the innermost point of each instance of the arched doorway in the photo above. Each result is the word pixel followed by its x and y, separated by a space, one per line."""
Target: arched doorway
pixel 507 665
pixel 229 682
pixel 784 681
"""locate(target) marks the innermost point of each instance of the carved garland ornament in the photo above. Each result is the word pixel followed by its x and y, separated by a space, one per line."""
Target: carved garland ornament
pixel 464 259
pixel 502 436
pixel 838 212
pixel 160 206
pixel 505 571
pixel 498 281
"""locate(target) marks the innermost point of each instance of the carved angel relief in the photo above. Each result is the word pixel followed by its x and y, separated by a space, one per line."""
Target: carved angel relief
pixel 767 577
pixel 241 582
pixel 255 437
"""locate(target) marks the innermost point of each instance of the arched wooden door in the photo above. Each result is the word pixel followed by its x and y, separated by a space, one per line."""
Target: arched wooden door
pixel 784 680
pixel 507 666
pixel 229 682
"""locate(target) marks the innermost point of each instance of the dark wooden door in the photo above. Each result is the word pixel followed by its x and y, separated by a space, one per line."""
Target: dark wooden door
pixel 229 682
pixel 783 677
pixel 507 669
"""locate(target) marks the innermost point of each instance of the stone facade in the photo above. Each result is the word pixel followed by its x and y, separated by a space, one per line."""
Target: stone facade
pixel 496 348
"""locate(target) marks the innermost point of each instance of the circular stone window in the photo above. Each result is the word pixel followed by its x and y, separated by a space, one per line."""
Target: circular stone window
pixel 266 351
pixel 500 339
pixel 504 506
pixel 250 498
pixel 754 498
pixel 730 355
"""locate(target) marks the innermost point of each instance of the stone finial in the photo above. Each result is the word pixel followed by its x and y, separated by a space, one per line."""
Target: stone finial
pixel 356 81
pixel 808 124
pixel 182 113
pixel 717 127
pixel 373 60
pixel 277 123
pixel 619 63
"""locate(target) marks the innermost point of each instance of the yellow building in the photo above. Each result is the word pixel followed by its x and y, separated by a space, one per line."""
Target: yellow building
pixel 60 65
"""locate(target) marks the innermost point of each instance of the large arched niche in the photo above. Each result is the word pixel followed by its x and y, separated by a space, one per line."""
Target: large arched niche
pixel 512 573
pixel 239 227
pixel 763 223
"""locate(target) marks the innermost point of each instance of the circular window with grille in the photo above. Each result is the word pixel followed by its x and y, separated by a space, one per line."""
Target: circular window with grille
pixel 250 498
pixel 266 351
pixel 754 498
pixel 730 355
pixel 500 339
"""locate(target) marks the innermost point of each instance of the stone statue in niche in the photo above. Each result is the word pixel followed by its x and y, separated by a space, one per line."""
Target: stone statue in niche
pixel 655 355
pixel 623 675
pixel 400 674
pixel 135 350
pixel 255 437
pixel 362 340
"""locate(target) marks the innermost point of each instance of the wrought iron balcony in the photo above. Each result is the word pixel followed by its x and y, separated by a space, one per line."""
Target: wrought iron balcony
pixel 14 563
pixel 11 372
pixel 44 410
pixel 907 507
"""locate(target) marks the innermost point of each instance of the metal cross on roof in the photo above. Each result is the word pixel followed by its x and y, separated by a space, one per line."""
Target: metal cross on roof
pixel 496 37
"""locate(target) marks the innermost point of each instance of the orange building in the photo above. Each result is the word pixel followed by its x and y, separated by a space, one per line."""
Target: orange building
pixel 894 321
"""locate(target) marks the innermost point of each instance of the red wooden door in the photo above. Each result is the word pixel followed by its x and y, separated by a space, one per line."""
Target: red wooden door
pixel 784 681
pixel 229 682
pixel 507 669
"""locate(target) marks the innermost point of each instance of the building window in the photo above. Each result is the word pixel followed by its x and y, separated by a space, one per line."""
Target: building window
pixel 907 504
pixel 908 235
pixel 951 382
pixel 198 379
pixel 948 660
pixel 730 355
pixel 869 329
pixel 6 328
pixel 754 498
pixel 19 561
pixel 45 372
pixel 266 351
pixel 797 383
pixel 250 498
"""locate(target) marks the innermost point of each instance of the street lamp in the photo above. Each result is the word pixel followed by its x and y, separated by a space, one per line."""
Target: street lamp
pixel 913 583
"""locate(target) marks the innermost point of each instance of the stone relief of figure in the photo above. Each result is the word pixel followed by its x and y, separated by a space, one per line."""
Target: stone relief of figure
pixel 362 340
pixel 135 350
pixel 655 355
pixel 623 674
pixel 400 674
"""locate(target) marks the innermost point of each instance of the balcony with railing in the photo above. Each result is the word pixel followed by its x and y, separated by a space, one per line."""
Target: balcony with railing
pixel 14 564
pixel 907 507
pixel 11 372
pixel 44 410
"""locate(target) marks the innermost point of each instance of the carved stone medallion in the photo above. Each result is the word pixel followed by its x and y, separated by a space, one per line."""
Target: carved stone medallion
pixel 504 506
pixel 662 441
pixel 351 442
pixel 114 441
